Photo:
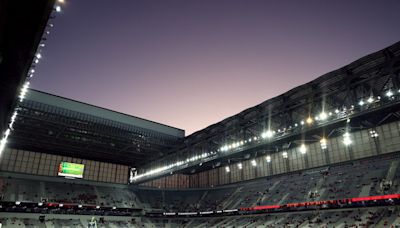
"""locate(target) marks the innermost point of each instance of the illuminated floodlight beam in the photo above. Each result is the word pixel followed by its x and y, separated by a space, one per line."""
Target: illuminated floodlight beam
pixel 285 154
pixel 389 93
pixel 3 143
pixel 323 143
pixel 303 149
pixel 253 162
pixel 323 116
pixel 373 134
pixel 267 134
pixel 23 92
pixel 346 139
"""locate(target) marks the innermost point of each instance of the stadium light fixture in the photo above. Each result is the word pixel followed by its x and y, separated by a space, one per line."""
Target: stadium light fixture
pixel 389 93
pixel 323 116
pixel 346 139
pixel 17 203
pixel 23 91
pixel 361 103
pixel 60 1
pixel 227 169
pixel 302 122
pixel 97 207
pixel 309 120
pixel 38 55
pixel 58 9
pixel 3 143
pixel 7 133
pixel 268 158
pixel 267 134
pixel 80 206
pixel 370 99
pixel 253 163
pixel 61 205
pixel 240 166
pixel 323 144
pixel 373 134
pixel 285 154
pixel 303 149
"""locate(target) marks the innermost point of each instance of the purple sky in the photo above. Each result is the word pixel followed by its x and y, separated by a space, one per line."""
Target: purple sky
pixel 190 63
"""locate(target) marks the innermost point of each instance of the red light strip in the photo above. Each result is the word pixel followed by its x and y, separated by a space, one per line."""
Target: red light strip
pixel 266 207
pixel 311 203
pixel 369 198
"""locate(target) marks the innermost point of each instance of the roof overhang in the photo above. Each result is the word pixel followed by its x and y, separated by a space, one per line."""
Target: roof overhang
pixel 22 24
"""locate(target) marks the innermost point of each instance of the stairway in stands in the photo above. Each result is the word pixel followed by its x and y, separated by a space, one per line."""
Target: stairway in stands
pixel 232 200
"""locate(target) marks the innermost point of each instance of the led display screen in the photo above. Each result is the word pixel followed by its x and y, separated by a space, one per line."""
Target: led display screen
pixel 68 169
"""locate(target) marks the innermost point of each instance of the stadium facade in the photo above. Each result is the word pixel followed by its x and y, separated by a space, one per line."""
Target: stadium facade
pixel 347 114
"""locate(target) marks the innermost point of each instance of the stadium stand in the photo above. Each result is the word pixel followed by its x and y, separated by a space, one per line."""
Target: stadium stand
pixel 346 180
pixel 350 179
pixel 371 217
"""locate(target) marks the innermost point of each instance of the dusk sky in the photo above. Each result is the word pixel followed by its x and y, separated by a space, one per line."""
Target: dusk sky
pixel 190 64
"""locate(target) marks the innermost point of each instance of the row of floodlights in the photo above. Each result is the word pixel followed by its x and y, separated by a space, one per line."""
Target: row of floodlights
pixel 302 149
pixel 176 164
pixel 269 134
pixel 25 86
pixel 60 205
pixel 323 116
pixel 347 141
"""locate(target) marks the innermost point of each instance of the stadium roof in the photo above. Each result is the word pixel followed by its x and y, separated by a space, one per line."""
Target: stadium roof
pixel 371 77
pixel 57 125
pixel 21 27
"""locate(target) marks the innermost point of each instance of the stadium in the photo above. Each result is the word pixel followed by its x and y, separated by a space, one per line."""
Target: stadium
pixel 324 154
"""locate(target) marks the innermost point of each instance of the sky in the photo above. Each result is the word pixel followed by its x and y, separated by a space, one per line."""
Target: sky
pixel 192 63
